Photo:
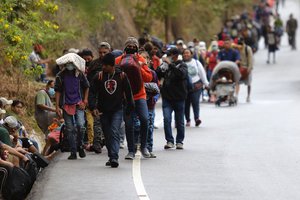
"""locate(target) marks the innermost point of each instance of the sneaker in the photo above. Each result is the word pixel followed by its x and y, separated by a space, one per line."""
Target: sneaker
pixel 188 124
pixel 114 163
pixel 179 146
pixel 169 145
pixel 73 156
pixel 198 122
pixel 122 145
pixel 81 152
pixel 108 163
pixel 130 156
pixel 145 153
pixel 152 155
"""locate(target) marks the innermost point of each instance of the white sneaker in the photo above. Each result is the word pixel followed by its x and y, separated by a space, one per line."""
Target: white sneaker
pixel 169 145
pixel 179 146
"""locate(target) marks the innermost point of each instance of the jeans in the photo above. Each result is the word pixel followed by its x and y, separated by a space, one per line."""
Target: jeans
pixel 111 123
pixel 137 126
pixel 122 132
pixel 141 110
pixel 194 99
pixel 178 107
pixel 136 129
pixel 75 129
pixel 151 117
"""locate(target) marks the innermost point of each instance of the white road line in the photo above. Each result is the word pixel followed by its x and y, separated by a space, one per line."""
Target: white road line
pixel 137 177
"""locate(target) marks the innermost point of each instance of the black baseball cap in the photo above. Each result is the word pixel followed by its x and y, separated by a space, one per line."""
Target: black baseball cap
pixel 172 51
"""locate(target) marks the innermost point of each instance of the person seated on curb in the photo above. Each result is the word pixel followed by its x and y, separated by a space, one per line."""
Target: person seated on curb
pixel 6 151
pixel 17 110
pixel 52 142
pixel 9 135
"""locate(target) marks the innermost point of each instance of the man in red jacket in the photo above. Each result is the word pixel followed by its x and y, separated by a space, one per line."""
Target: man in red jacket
pixel 141 110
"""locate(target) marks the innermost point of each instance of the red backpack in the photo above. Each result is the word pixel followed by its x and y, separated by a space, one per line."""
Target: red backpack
pixel 130 65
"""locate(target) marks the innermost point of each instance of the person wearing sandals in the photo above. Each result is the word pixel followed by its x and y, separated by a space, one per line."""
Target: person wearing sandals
pixel 198 76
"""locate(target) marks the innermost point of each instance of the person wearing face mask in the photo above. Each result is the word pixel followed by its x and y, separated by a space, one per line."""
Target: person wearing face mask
pixel 138 74
pixel 44 110
pixel 71 95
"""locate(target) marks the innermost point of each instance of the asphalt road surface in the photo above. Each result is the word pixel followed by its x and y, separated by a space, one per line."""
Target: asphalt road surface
pixel 247 152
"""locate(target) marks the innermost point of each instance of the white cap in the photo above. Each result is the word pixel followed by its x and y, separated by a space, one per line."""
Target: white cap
pixel 11 122
pixel 180 42
pixel 6 101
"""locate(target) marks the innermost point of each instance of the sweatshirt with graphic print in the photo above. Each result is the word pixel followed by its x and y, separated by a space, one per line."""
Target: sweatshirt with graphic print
pixel 109 92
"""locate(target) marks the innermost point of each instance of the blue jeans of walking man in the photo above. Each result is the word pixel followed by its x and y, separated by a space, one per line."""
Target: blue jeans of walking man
pixel 111 123
pixel 75 129
pixel 178 107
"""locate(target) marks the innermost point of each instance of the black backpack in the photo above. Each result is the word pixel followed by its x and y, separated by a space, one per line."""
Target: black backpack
pixel 63 140
pixel 18 184
pixel 31 168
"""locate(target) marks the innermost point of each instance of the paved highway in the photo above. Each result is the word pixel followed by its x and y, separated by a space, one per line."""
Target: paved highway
pixel 247 152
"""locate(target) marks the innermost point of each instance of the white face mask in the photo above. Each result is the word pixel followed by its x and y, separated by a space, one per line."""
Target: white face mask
pixel 70 66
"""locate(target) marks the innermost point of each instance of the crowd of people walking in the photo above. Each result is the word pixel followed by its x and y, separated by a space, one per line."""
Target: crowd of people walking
pixel 100 102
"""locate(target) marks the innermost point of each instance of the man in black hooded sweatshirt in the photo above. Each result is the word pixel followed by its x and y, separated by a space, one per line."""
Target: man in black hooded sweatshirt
pixel 109 89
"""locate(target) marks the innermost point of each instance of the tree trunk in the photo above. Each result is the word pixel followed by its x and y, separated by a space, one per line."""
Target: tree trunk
pixel 177 28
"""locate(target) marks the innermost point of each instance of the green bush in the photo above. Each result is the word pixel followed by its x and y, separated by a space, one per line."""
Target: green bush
pixel 24 23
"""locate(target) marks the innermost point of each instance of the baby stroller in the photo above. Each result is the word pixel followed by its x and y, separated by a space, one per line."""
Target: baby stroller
pixel 225 77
